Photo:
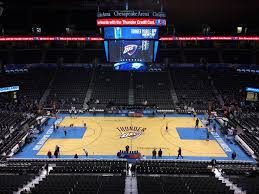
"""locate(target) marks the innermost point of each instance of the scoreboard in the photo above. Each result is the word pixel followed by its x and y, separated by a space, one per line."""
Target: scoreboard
pixel 131 51
pixel 131 37
pixel 130 33
pixel 252 94
pixel 131 44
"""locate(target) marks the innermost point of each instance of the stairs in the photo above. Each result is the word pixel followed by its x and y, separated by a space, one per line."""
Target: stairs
pixel 183 59
pixel 31 184
pixel 220 56
pixel 89 91
pixel 43 54
pixel 131 92
pixel 47 91
pixel 172 90
pixel 131 186
pixel 228 183
pixel 216 93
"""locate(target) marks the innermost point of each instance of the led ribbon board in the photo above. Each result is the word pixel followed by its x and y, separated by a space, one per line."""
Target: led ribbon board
pixel 131 22
pixel 9 89
pixel 256 90
pixel 130 33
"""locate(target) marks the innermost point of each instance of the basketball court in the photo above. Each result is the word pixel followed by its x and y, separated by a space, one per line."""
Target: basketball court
pixel 103 136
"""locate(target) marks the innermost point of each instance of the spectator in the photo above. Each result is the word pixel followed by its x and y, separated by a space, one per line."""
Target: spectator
pixel 49 154
pixel 127 148
pixel 179 153
pixel 234 155
pixel 86 153
pixel 154 154
pixel 160 152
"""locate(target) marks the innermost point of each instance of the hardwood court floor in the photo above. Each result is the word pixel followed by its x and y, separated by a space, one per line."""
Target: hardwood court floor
pixel 108 135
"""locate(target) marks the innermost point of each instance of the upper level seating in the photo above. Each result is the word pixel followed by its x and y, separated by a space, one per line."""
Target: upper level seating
pixel 69 88
pixel 193 88
pixel 10 130
pixel 230 83
pixel 181 184
pixel 64 55
pixel 71 183
pixel 27 56
pixel 194 56
pixel 237 57
pixel 4 55
pixel 32 85
pixel 9 122
pixel 110 86
pixel 153 87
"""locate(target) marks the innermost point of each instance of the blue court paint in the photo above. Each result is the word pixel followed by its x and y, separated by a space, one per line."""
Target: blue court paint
pixel 184 133
pixel 193 133
pixel 234 146
pixel 27 150
pixel 72 132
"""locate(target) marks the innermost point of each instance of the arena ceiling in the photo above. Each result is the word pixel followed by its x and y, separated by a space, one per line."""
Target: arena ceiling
pixel 186 16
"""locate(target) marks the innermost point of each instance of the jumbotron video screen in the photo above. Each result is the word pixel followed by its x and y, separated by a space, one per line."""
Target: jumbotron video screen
pixel 131 50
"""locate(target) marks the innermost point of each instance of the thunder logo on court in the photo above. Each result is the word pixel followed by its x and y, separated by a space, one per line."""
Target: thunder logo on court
pixel 131 132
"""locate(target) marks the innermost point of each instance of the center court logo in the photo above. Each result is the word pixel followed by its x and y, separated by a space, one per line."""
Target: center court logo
pixel 131 132
pixel 130 49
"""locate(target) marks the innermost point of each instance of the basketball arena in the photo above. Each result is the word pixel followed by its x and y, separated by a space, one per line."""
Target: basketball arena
pixel 128 97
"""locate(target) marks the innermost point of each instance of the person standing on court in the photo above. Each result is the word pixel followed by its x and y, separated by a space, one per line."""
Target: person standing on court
pixel 127 148
pixel 166 128
pixel 154 154
pixel 86 153
pixel 56 153
pixel 197 123
pixel 208 134
pixel 65 131
pixel 57 150
pixel 49 154
pixel 234 155
pixel 160 152
pixel 179 153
